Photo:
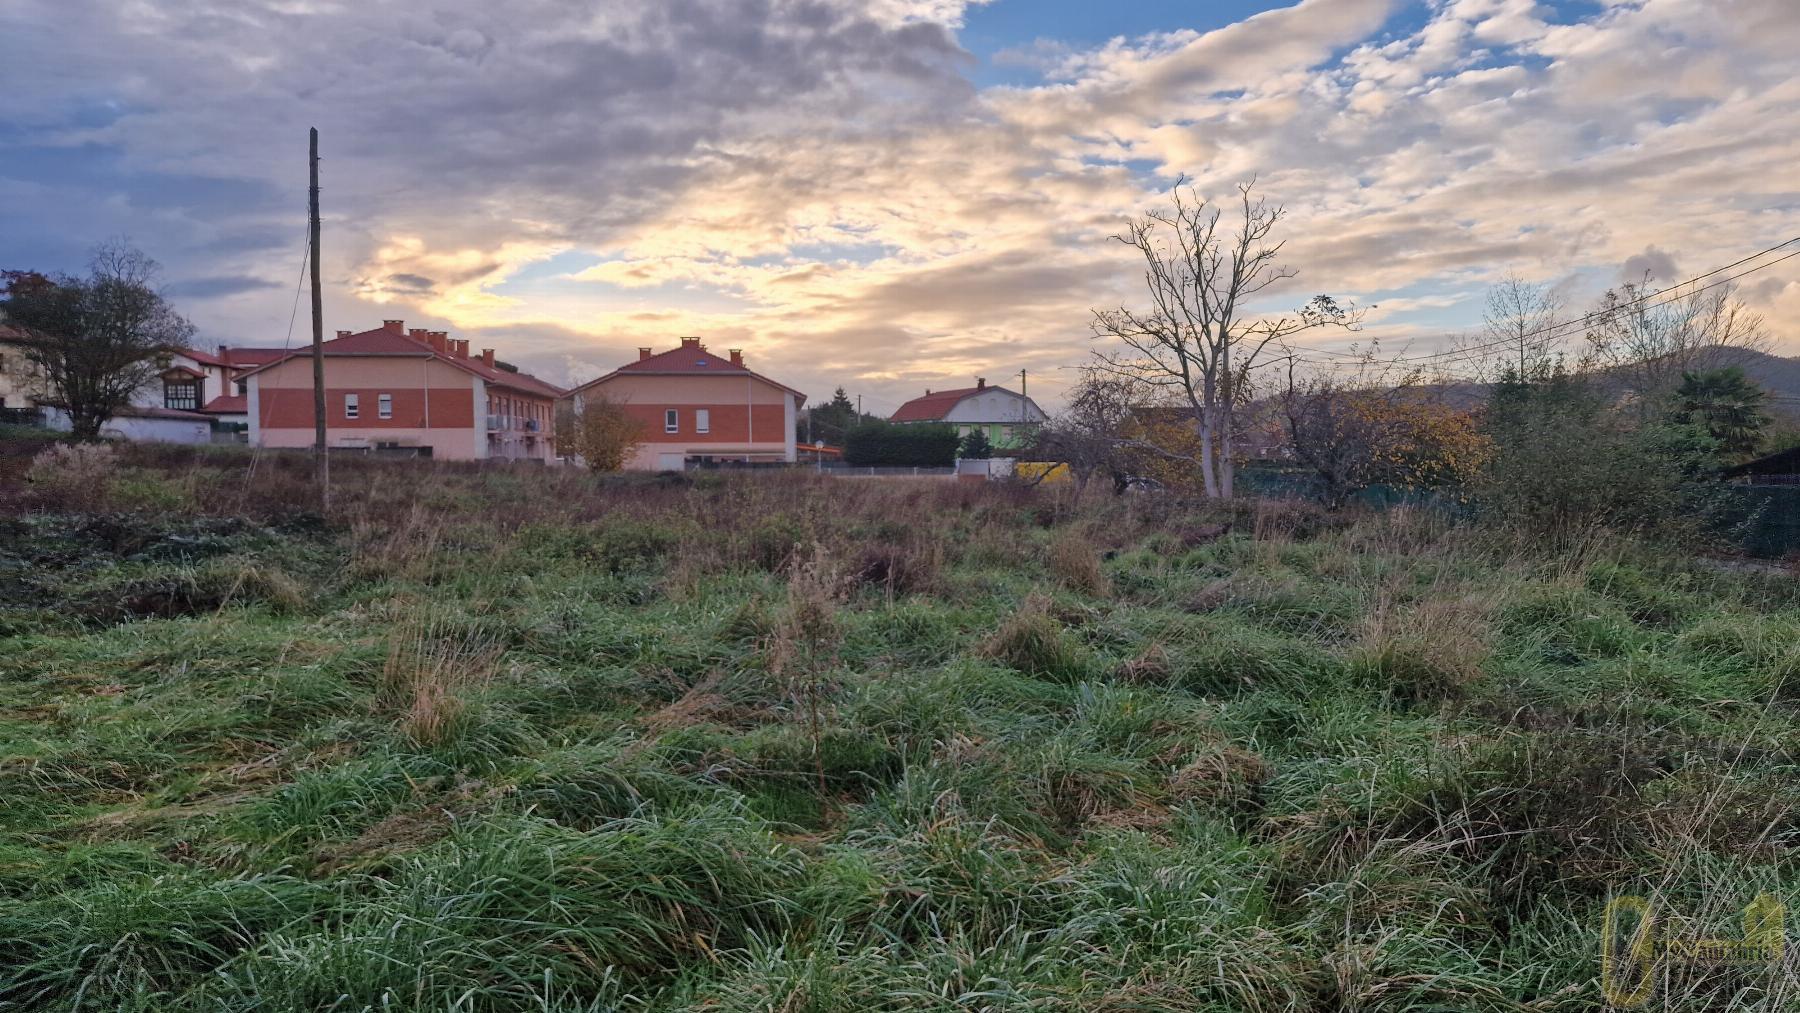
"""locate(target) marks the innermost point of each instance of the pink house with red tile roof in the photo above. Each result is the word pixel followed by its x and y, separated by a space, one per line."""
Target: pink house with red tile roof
pixel 417 391
pixel 694 407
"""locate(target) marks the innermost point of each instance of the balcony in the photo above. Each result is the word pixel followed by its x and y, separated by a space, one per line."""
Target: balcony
pixel 514 424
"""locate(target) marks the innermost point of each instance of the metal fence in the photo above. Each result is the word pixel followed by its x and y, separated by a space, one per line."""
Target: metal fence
pixel 879 471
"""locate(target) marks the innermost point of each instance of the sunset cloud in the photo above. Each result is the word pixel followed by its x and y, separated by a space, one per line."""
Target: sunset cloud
pixel 849 190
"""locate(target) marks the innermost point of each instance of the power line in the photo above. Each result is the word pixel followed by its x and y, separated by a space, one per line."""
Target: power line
pixel 1567 327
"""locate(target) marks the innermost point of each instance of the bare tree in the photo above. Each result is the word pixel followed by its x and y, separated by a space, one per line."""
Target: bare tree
pixel 1089 434
pixel 1200 338
pixel 1521 332
pixel 1649 338
pixel 97 339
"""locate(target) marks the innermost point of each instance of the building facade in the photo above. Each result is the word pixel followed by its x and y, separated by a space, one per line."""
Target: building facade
pixel 416 392
pixel 1004 417
pixel 695 408
pixel 22 388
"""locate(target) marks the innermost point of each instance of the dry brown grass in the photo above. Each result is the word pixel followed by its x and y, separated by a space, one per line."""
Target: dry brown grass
pixel 1075 562
pixel 433 665
pixel 1428 649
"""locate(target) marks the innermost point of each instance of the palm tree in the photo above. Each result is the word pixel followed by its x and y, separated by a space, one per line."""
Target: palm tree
pixel 1727 404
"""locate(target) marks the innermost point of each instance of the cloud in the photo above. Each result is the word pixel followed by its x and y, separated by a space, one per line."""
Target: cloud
pixel 218 286
pixel 819 182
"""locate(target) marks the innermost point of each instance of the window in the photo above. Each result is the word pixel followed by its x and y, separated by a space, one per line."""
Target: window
pixel 351 408
pixel 183 394
pixel 671 421
pixel 384 405
pixel 702 420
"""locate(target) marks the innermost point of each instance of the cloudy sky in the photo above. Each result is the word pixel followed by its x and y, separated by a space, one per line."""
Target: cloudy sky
pixel 886 195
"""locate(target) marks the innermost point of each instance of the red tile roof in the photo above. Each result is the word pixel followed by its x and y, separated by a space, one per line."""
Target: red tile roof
pixel 686 359
pixel 382 341
pixel 690 359
pixel 203 358
pixel 934 406
pixel 241 357
pixel 227 404
pixel 158 412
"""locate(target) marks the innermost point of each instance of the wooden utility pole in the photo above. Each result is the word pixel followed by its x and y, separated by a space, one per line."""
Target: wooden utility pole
pixel 321 456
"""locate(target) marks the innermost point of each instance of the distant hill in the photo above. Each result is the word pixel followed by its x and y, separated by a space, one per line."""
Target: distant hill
pixel 1778 375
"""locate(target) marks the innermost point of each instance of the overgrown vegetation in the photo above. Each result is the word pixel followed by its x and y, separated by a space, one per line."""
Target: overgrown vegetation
pixel 528 739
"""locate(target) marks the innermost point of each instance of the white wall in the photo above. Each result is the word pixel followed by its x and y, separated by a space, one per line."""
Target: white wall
pixel 151 430
pixel 995 406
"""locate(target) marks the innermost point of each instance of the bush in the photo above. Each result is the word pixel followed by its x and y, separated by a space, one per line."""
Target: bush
pixel 882 444
pixel 75 477
pixel 1565 463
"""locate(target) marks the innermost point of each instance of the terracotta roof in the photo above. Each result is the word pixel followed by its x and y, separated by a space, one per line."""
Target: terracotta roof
pixel 157 412
pixel 183 370
pixel 389 343
pixel 690 359
pixel 234 358
pixel 204 358
pixel 227 404
pixel 686 359
pixel 934 406
pixel 250 356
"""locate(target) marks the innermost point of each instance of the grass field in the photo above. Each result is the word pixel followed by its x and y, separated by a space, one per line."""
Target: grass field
pixel 526 740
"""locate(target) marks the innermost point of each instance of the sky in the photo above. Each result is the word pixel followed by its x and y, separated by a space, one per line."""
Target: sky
pixel 888 195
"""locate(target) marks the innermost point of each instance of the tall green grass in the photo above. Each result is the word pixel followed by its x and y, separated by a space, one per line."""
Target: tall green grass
pixel 530 740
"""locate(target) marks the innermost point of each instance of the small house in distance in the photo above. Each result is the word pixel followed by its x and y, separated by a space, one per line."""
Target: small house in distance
pixel 416 392
pixel 697 408
pixel 1004 416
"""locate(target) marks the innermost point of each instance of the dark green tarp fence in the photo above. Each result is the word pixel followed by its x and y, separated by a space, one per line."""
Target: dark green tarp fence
pixel 1766 522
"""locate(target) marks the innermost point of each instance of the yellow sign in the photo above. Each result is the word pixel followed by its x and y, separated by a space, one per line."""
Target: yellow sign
pixel 1041 471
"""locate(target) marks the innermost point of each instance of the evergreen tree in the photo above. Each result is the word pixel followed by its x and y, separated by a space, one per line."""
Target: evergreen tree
pixel 975 446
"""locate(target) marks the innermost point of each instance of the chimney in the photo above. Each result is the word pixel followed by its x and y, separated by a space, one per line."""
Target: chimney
pixel 397 326
pixel 981 383
pixel 690 342
pixel 460 348
pixel 643 353
pixel 487 357
pixel 343 334
pixel 737 357
pixel 439 342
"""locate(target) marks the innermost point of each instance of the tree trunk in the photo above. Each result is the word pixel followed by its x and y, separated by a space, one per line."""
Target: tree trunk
pixel 1208 480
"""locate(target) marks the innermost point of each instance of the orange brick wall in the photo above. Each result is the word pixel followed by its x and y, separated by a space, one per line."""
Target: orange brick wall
pixel 730 423
pixel 292 408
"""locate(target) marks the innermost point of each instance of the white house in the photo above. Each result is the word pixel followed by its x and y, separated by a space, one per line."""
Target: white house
pixel 1002 415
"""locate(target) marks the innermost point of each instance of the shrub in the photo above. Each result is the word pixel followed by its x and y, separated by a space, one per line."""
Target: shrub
pixel 76 477
pixel 885 444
